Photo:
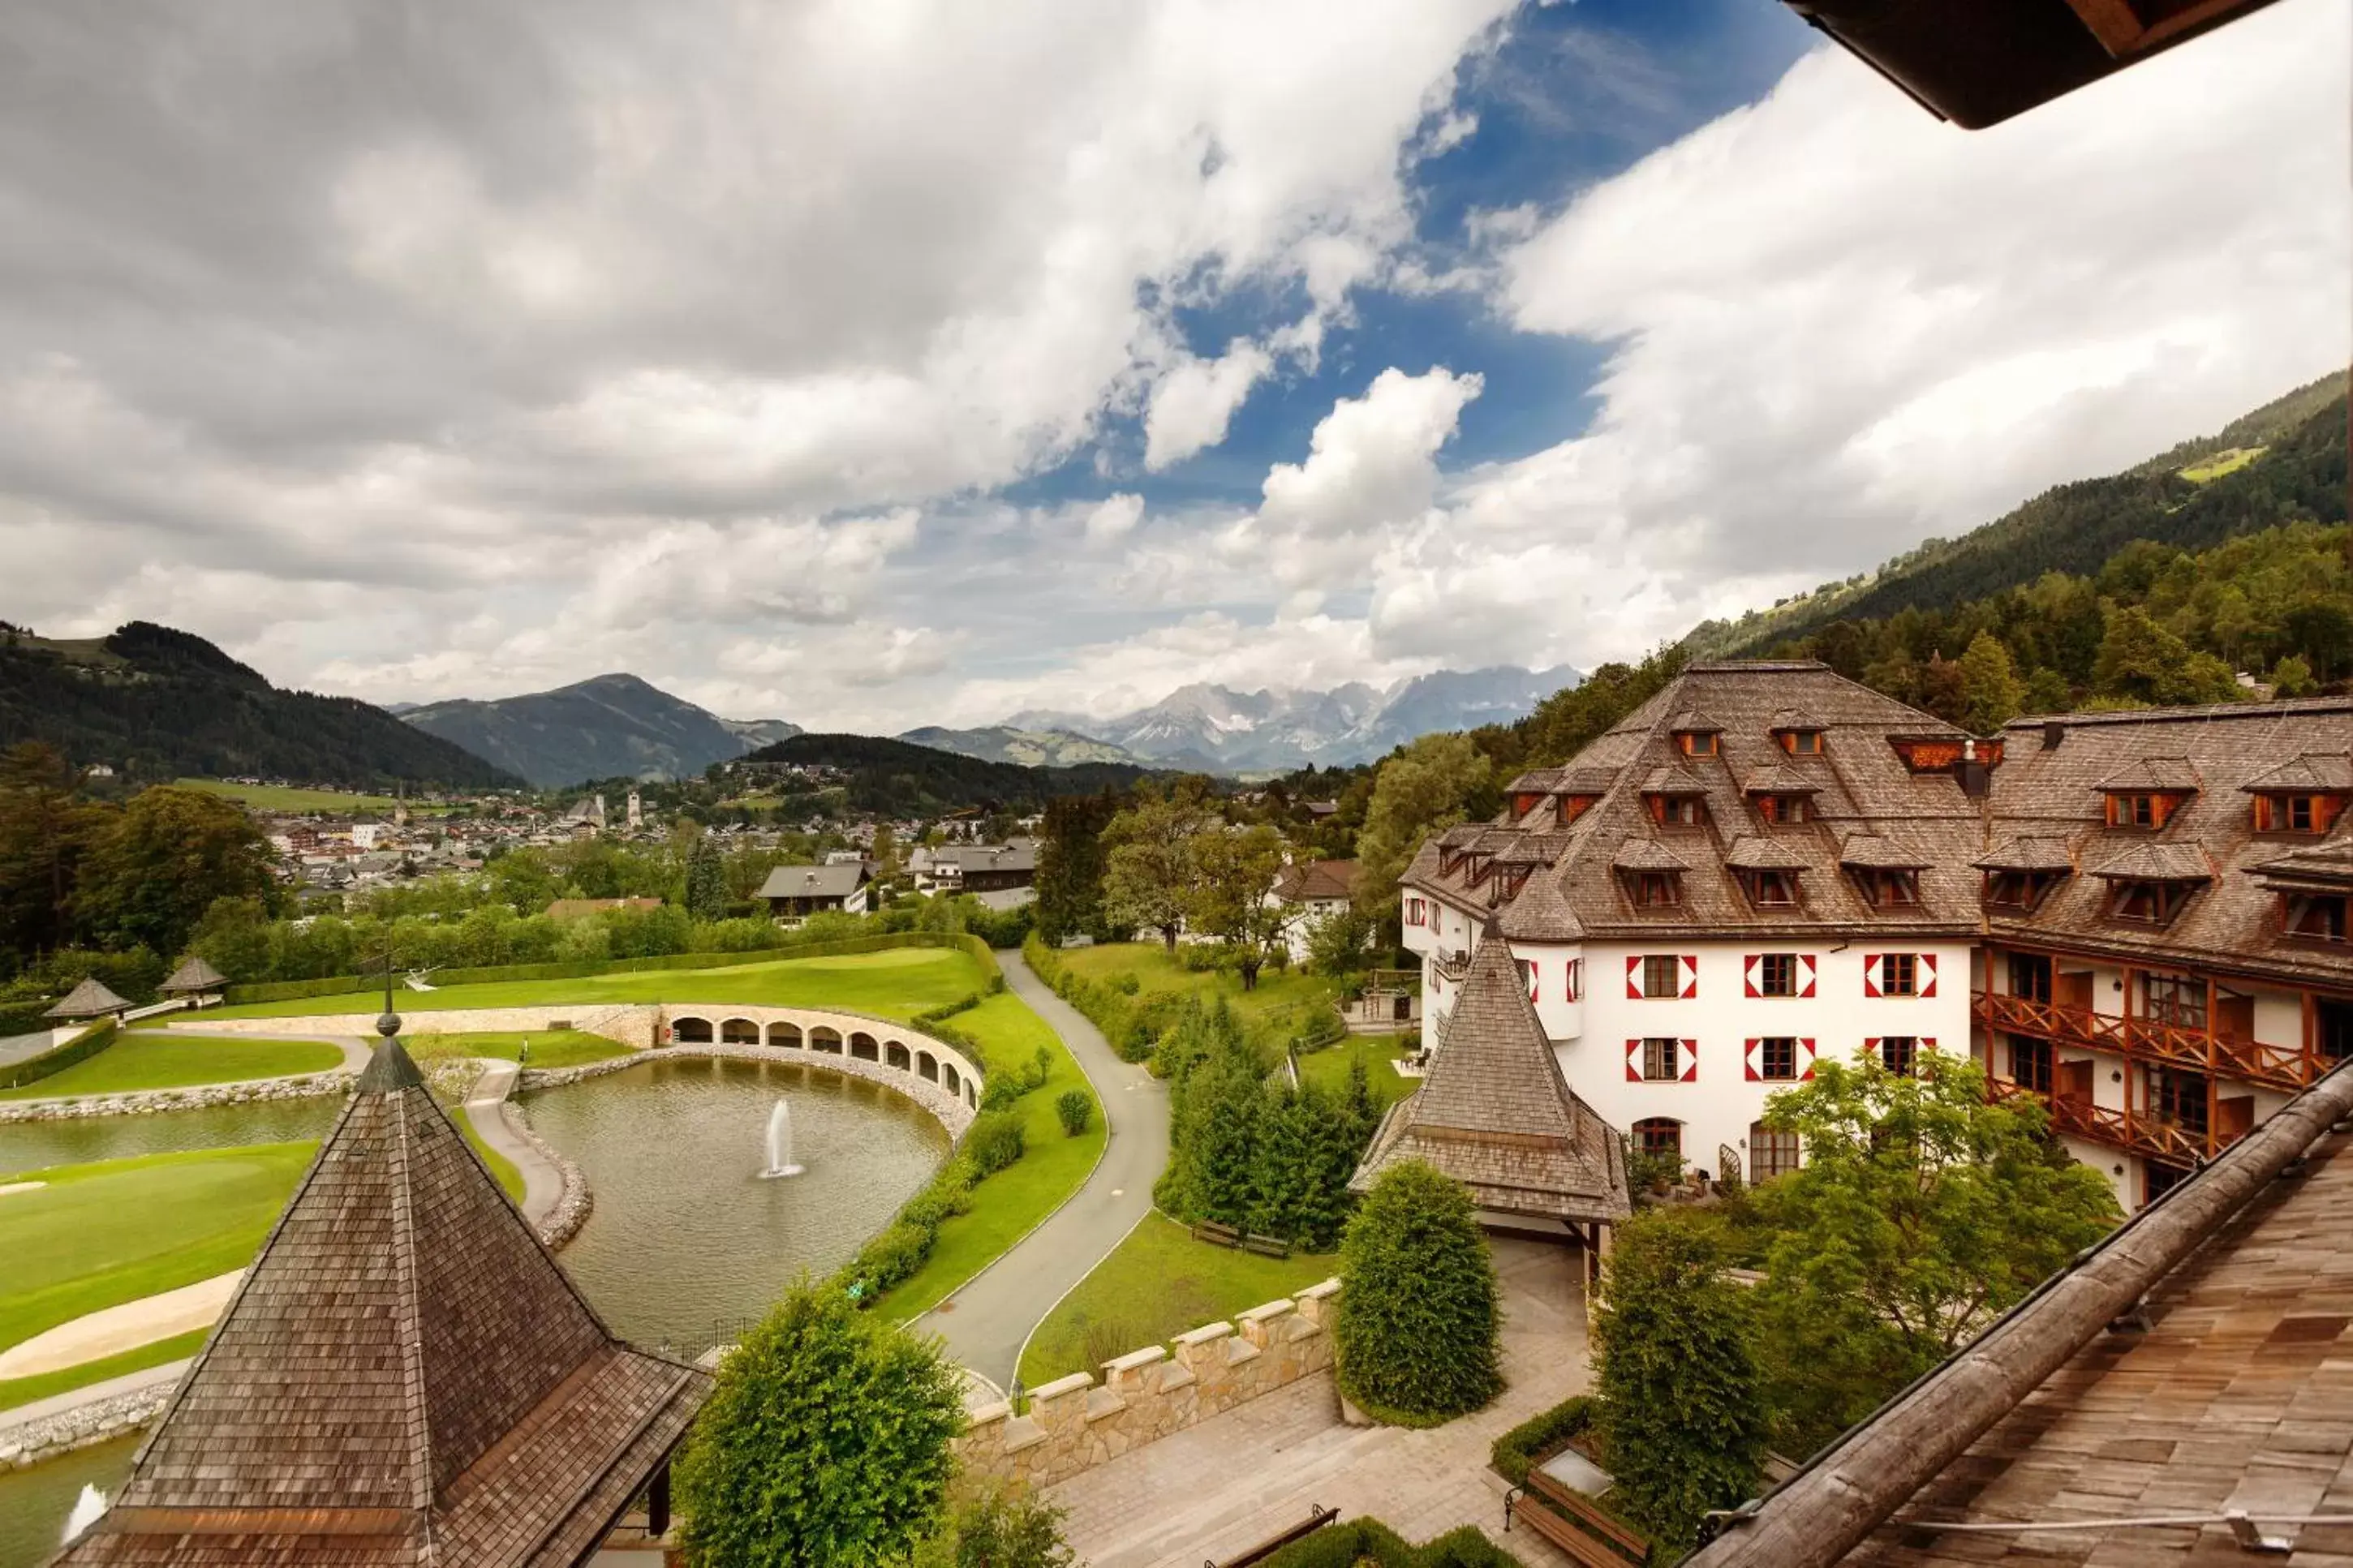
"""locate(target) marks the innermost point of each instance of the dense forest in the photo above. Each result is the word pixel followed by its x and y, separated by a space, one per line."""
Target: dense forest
pixel 896 779
pixel 158 704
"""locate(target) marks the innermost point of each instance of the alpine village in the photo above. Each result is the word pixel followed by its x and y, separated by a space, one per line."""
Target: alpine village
pixel 1864 1082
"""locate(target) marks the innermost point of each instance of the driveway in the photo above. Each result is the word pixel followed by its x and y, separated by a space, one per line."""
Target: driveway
pixel 987 1322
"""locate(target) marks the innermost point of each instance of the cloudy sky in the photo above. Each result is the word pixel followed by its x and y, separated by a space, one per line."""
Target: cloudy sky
pixel 874 363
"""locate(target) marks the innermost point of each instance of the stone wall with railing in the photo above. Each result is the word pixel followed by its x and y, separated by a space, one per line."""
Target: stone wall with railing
pixel 1074 1422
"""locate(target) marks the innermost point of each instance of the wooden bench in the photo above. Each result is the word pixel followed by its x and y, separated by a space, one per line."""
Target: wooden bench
pixel 1573 1524
pixel 1266 1245
pixel 1317 1518
pixel 1223 1235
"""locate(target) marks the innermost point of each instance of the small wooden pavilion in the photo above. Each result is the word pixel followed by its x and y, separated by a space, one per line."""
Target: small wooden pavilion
pixel 405 1379
pixel 194 978
pixel 90 999
pixel 1495 1114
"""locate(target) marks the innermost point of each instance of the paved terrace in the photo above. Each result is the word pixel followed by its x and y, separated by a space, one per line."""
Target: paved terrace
pixel 1211 1492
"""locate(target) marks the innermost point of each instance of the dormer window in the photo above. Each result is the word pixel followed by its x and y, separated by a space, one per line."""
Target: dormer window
pixel 2022 890
pixel 1802 742
pixel 1527 801
pixel 1573 806
pixel 1656 889
pixel 1769 889
pixel 1697 743
pixel 1785 808
pixel 2150 903
pixel 1888 889
pixel 2141 808
pixel 2304 813
pixel 1678 810
pixel 2319 917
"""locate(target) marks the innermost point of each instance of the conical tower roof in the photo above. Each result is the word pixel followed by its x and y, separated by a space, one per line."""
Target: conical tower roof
pixel 88 1000
pixel 405 1377
pixel 196 975
pixel 1494 1112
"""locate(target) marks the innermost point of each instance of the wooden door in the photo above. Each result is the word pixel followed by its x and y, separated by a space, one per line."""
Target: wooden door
pixel 2235 1015
pixel 2075 1081
pixel 2075 988
pixel 2233 1116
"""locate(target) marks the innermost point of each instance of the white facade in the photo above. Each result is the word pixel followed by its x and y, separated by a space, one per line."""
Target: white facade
pixel 1590 997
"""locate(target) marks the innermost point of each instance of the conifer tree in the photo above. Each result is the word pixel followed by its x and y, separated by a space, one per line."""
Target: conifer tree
pixel 1417 1328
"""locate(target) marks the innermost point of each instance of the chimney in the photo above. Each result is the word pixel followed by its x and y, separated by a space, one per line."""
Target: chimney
pixel 2053 731
pixel 1973 776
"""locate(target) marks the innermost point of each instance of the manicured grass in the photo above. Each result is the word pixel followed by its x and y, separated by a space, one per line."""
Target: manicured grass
pixel 1008 1205
pixel 1329 1066
pixel 112 1231
pixel 2221 463
pixel 1155 971
pixel 898 984
pixel 549 1047
pixel 510 1179
pixel 18 1391
pixel 1159 1283
pixel 153 1060
pixel 286 797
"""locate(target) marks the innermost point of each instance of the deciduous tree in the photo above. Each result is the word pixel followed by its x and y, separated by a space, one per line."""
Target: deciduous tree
pixel 1232 873
pixel 1992 695
pixel 1148 865
pixel 1424 789
pixel 154 870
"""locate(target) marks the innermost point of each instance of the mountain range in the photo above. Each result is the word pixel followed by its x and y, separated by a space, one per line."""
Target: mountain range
pixel 611 726
pixel 1214 729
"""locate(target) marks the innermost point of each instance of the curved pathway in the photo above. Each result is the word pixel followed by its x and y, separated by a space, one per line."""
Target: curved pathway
pixel 543 1183
pixel 987 1321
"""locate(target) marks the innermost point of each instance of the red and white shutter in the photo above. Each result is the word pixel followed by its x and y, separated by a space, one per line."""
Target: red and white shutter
pixel 1748 1062
pixel 1690 1063
pixel 1633 977
pixel 1807 1046
pixel 1870 1046
pixel 1751 968
pixel 1534 984
pixel 1871 974
pixel 1574 982
pixel 1928 1043
pixel 1633 1061
pixel 1805 974
pixel 1928 961
pixel 1691 976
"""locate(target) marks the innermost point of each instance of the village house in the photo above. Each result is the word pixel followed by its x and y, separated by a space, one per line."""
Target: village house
pixel 2138 917
pixel 793 893
pixel 1312 891
pixel 975 868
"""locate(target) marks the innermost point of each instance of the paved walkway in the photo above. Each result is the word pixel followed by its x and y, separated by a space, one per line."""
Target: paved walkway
pixel 112 1331
pixel 91 1393
pixel 987 1321
pixel 543 1183
pixel 1237 1479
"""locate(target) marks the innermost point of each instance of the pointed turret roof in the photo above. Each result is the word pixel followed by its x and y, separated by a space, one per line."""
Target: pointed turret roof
pixel 1497 1115
pixel 196 975
pixel 405 1379
pixel 88 1000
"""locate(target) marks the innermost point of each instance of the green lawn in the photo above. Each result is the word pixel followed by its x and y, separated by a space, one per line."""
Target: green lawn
pixel 1155 971
pixel 2221 463
pixel 285 797
pixel 1329 1066
pixel 152 1060
pixel 501 1167
pixel 16 1391
pixel 549 1047
pixel 898 984
pixel 111 1231
pixel 1008 1205
pixel 1159 1283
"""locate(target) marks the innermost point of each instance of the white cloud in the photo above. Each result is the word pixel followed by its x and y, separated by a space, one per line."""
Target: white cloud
pixel 1193 402
pixel 1115 518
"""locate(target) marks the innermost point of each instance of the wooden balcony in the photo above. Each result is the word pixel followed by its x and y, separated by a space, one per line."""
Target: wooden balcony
pixel 1450 967
pixel 2219 1052
pixel 2134 1131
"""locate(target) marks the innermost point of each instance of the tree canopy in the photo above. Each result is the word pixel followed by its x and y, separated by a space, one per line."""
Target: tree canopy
pixel 1417 1328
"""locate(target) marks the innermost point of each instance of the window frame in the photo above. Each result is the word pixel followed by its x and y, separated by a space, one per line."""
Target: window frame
pixel 1658 1135
pixel 1909 1050
pixel 1648 885
pixel 1673 970
pixel 2150 903
pixel 2307 917
pixel 1756 884
pixel 1786 1156
pixel 1764 1053
pixel 1672 1056
pixel 1776 974
pixel 2043 1076
pixel 1803 742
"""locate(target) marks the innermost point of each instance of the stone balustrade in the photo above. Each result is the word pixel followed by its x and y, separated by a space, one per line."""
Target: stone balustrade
pixel 1075 1423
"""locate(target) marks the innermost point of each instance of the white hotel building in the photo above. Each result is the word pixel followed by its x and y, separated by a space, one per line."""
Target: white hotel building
pixel 2139 917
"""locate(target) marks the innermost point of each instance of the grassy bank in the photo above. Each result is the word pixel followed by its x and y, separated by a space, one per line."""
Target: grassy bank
pixel 288 797
pixel 138 1061
pixel 550 1048
pixel 16 1391
pixel 1159 1283
pixel 897 984
pixel 1277 994
pixel 1379 1053
pixel 1008 1205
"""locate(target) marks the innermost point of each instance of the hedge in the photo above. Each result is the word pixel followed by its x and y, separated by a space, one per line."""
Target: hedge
pixel 337 985
pixel 1357 1541
pixel 78 1049
pixel 24 1017
pixel 1540 1435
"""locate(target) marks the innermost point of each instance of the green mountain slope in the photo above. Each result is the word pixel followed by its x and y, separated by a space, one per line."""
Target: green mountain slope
pixel 610 726
pixel 895 777
pixel 2299 473
pixel 158 704
pixel 1028 748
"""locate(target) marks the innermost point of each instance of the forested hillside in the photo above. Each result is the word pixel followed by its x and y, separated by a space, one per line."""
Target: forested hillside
pixel 902 780
pixel 2275 464
pixel 158 704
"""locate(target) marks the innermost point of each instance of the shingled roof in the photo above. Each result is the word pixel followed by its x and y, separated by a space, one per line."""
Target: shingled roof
pixel 88 1000
pixel 1497 1115
pixel 2314 773
pixel 196 975
pixel 405 1379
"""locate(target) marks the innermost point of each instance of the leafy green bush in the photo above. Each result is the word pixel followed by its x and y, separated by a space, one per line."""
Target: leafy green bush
pixel 1541 1434
pixel 994 1140
pixel 1076 1108
pixel 1358 1541
pixel 1416 1331
pixel 80 1049
pixel 825 1442
pixel 998 1526
pixel 892 1257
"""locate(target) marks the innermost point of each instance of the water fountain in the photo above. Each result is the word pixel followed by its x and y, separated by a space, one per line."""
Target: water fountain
pixel 780 1143
pixel 88 1510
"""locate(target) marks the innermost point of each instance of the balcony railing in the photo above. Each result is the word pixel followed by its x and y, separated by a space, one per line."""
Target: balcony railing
pixel 2134 1131
pixel 1451 967
pixel 2213 1051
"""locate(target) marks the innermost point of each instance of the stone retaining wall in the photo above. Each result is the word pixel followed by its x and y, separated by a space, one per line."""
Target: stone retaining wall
pixel 149 1101
pixel 84 1427
pixel 626 1022
pixel 1074 1424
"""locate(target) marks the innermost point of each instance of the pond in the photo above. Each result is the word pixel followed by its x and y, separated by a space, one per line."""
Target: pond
pixel 686 1243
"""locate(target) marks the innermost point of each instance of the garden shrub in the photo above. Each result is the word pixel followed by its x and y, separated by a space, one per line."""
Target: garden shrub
pixel 1416 1331
pixel 893 1256
pixel 994 1140
pixel 1351 1542
pixel 1541 1434
pixel 1076 1109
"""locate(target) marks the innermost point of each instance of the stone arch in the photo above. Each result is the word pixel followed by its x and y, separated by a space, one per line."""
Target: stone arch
pixel 785 1034
pixel 927 1065
pixel 739 1032
pixel 691 1031
pixel 894 1054
pixel 972 1094
pixel 823 1038
pixel 948 1077
pixel 862 1047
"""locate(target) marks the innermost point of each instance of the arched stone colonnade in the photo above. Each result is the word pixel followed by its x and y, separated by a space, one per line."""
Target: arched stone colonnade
pixel 886 1044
